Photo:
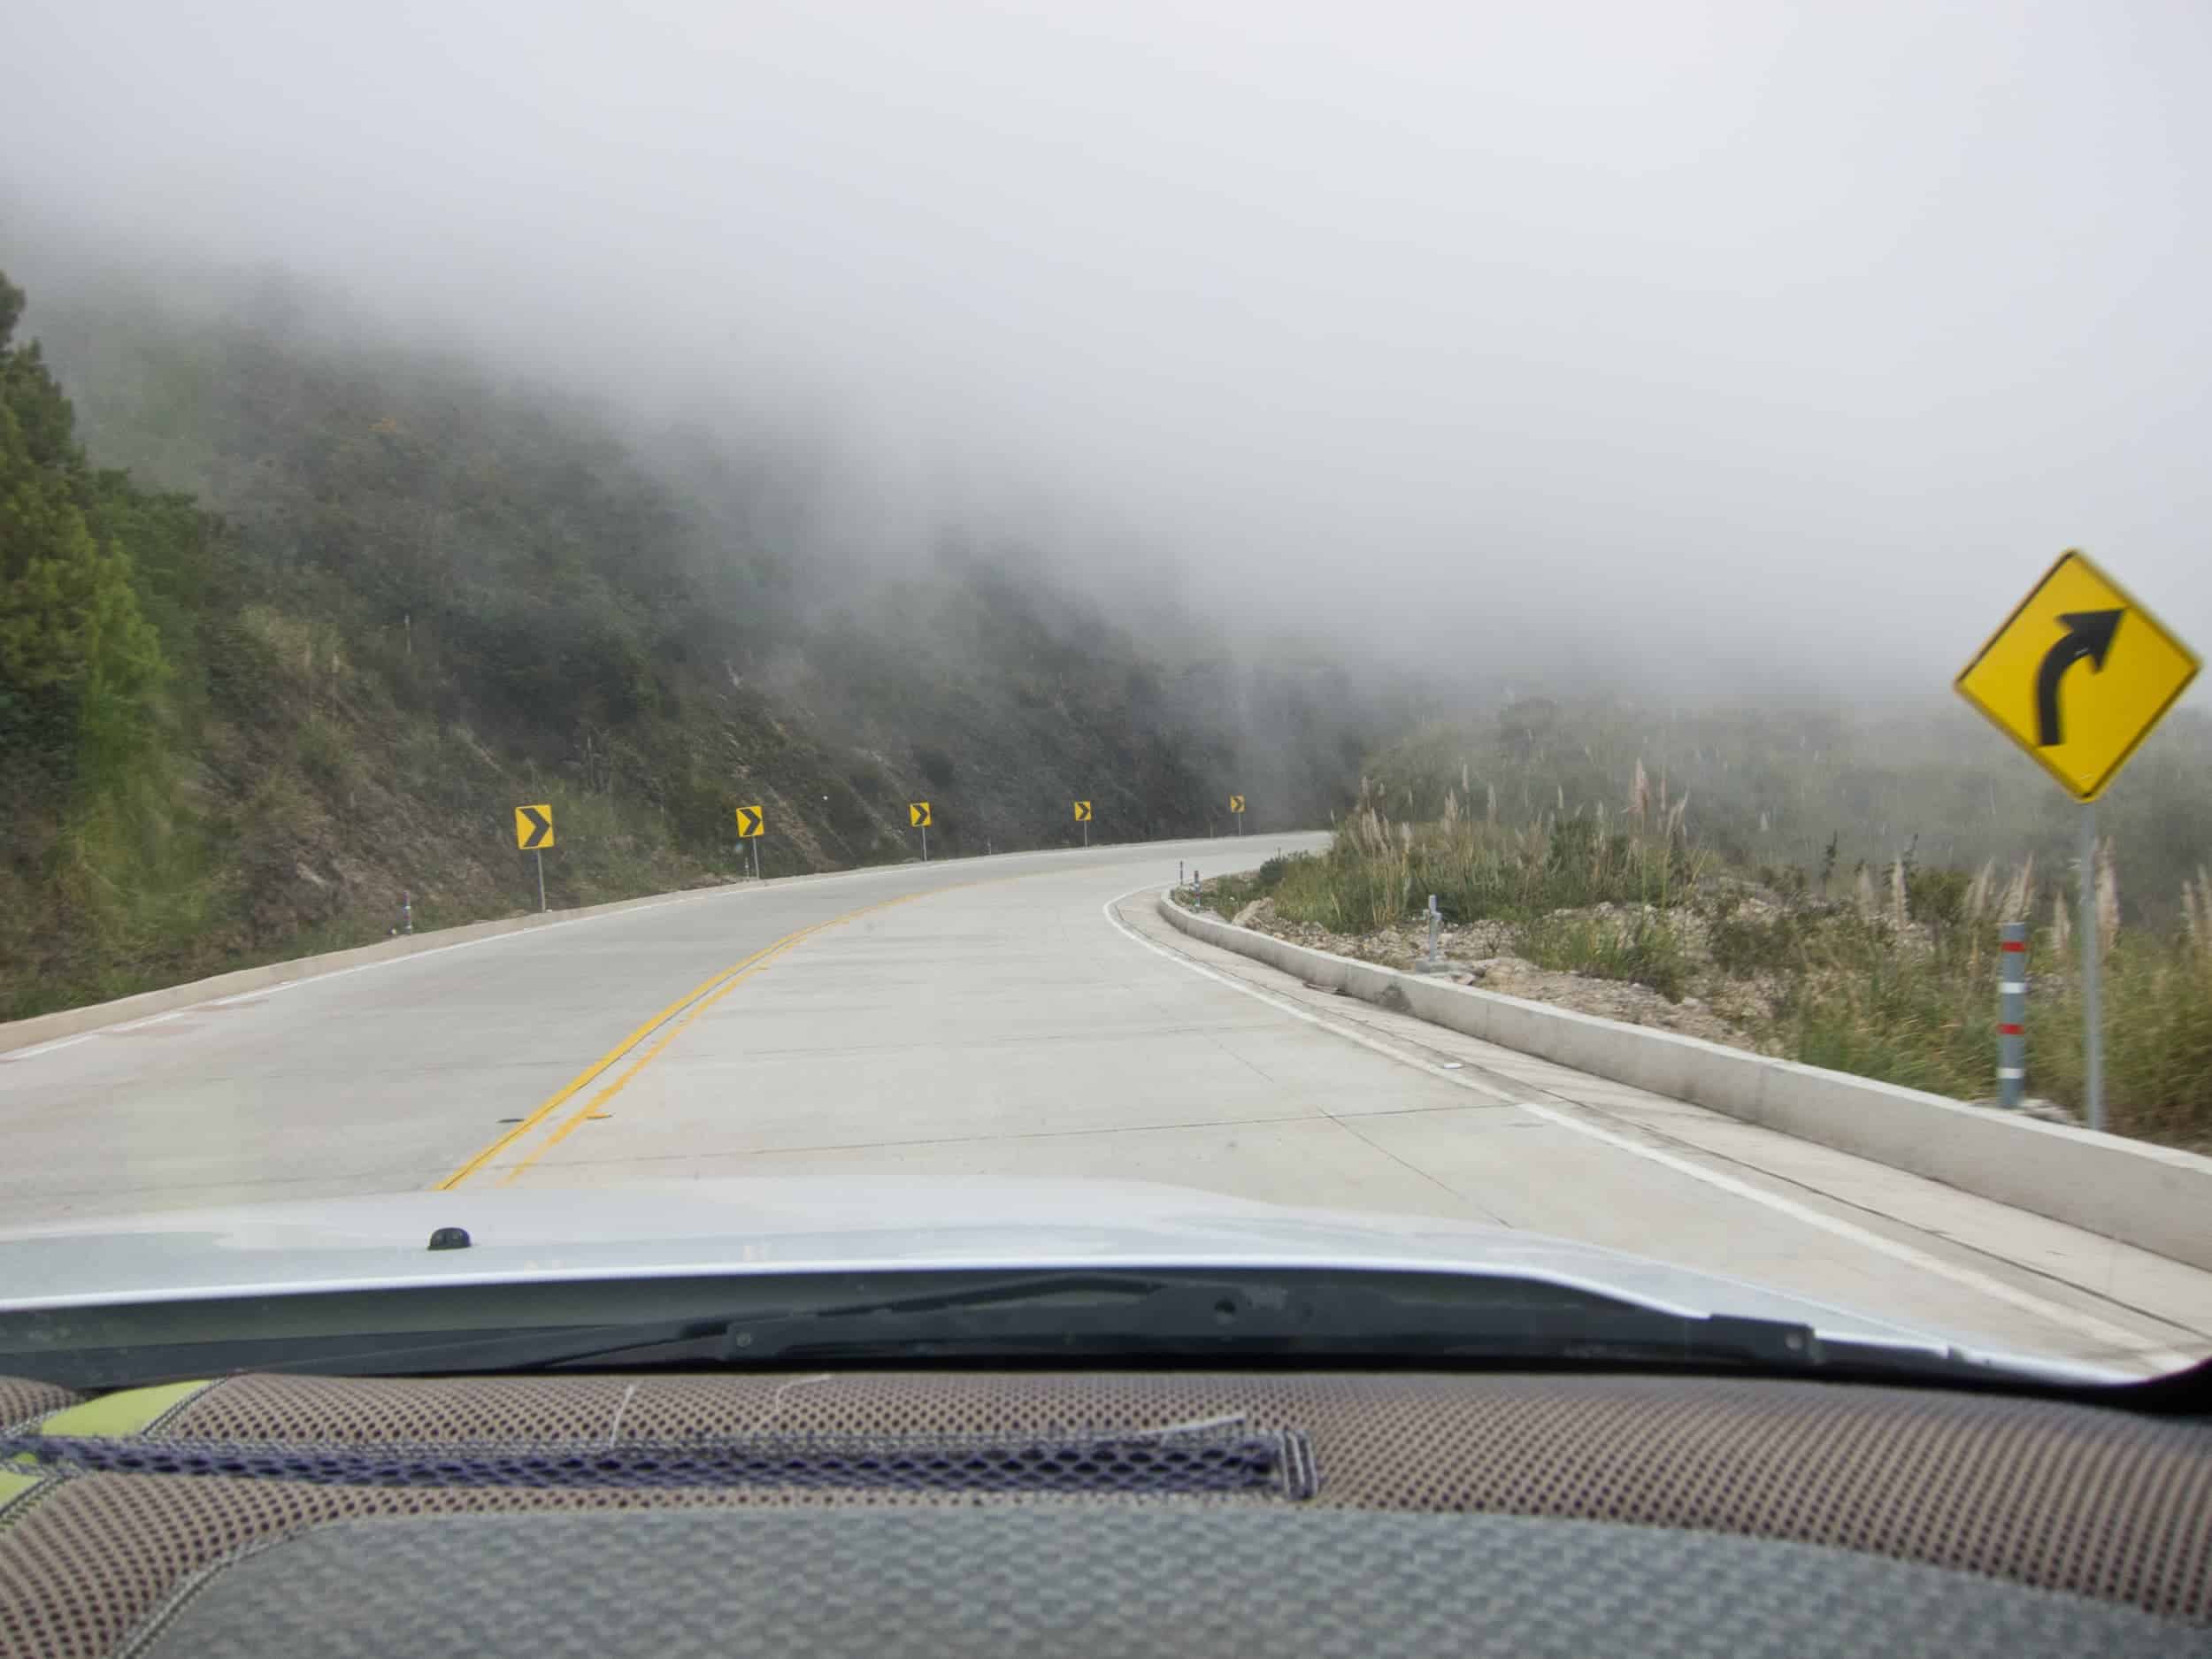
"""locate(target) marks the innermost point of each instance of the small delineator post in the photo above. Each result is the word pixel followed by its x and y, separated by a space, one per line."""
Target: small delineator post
pixel 1433 963
pixel 2012 1013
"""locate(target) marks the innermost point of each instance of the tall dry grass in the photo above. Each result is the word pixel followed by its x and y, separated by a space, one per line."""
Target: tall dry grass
pixel 1379 870
pixel 1897 982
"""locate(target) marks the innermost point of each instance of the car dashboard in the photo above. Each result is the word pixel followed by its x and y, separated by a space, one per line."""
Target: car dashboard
pixel 877 1512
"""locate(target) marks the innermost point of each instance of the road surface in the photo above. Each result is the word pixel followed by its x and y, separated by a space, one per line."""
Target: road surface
pixel 1026 1015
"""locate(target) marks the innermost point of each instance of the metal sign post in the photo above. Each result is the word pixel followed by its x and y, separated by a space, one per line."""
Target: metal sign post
pixel 541 858
pixel 2091 1002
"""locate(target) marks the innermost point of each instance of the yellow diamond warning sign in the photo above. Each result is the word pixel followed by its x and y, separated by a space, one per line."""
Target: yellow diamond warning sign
pixel 751 821
pixel 2078 675
pixel 1082 812
pixel 918 814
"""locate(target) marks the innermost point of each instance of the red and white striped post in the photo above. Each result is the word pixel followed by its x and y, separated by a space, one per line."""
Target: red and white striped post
pixel 2012 1013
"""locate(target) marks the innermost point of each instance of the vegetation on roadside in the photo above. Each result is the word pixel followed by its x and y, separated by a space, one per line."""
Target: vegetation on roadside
pixel 1887 972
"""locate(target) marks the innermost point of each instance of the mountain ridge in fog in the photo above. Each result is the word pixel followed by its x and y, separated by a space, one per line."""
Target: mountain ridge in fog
pixel 406 598
pixel 1694 347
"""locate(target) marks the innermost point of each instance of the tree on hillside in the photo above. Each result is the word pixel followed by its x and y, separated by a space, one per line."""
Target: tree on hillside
pixel 77 655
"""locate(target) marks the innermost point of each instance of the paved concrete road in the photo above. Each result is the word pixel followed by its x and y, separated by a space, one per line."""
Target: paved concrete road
pixel 1024 1015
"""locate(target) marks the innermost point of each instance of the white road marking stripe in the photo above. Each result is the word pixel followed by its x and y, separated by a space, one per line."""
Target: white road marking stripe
pixel 1289 1008
pixel 100 1031
pixel 152 1020
pixel 1983 1283
pixel 48 1048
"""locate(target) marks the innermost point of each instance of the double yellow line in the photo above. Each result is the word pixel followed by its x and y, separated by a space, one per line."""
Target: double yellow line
pixel 675 1018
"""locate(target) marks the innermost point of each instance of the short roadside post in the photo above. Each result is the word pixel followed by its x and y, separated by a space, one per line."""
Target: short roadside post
pixel 2077 675
pixel 1433 963
pixel 2012 1013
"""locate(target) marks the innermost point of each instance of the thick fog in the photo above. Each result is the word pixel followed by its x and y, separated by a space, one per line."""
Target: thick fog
pixel 1748 339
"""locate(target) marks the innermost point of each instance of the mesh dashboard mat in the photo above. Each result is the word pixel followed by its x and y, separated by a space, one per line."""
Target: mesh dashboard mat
pixel 1117 1584
pixel 22 1400
pixel 2038 1493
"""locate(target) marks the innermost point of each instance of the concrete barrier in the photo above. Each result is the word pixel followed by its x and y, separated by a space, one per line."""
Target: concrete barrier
pixel 2153 1197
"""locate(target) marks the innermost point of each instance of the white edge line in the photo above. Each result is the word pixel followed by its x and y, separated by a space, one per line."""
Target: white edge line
pixel 1285 1006
pixel 2026 1301
pixel 48 1048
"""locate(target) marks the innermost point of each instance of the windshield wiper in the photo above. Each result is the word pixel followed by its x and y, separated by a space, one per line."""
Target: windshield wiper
pixel 1169 1316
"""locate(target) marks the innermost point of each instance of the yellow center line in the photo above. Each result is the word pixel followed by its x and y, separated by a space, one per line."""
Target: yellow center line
pixel 690 1006
pixel 599 1065
pixel 584 1112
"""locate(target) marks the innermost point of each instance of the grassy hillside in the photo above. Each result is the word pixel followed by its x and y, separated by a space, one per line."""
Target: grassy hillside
pixel 353 604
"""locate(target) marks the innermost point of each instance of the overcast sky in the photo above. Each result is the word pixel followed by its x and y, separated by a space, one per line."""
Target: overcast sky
pixel 1757 333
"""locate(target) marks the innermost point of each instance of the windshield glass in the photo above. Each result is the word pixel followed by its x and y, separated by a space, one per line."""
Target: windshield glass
pixel 815 640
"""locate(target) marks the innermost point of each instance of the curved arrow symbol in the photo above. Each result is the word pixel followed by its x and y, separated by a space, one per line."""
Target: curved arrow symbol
pixel 2088 634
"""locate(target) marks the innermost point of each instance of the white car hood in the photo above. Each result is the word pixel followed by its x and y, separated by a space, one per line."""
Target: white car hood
pixel 788 1226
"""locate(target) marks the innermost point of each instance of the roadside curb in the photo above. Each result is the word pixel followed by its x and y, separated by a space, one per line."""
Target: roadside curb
pixel 2156 1198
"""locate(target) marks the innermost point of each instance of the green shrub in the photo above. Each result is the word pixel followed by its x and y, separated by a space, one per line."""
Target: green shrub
pixel 1743 946
pixel 325 754
pixel 1644 950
